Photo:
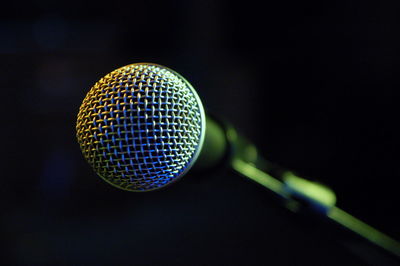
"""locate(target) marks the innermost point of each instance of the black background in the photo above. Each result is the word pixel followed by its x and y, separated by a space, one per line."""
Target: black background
pixel 313 85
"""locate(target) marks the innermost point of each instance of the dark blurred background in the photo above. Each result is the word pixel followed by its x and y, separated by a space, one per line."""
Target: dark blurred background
pixel 313 85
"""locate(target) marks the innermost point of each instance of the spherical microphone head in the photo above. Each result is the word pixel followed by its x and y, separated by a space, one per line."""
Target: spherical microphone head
pixel 141 127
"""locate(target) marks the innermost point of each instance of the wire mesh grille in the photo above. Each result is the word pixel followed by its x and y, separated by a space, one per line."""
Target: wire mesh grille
pixel 140 127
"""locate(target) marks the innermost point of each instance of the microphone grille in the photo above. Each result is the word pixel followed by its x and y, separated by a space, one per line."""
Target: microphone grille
pixel 141 127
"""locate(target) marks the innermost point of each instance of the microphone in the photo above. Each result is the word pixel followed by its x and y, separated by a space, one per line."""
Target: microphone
pixel 142 127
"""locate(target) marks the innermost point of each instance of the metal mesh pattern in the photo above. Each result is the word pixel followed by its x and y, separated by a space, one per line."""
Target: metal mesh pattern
pixel 140 127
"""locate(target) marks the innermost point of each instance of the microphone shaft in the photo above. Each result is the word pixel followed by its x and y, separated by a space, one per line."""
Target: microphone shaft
pixel 299 193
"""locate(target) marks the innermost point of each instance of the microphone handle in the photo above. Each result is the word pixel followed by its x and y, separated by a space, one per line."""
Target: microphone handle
pixel 300 194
